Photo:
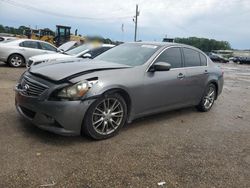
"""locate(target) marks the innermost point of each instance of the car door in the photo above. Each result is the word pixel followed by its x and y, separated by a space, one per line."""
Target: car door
pixel 166 89
pixel 196 74
pixel 30 48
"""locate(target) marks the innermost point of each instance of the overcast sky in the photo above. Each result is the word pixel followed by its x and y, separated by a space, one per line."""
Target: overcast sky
pixel 219 19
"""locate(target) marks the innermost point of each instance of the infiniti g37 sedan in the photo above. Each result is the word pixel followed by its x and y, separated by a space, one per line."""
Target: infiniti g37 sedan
pixel 132 80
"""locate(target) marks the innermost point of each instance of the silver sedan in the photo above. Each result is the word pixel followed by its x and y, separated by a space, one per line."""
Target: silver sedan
pixel 17 52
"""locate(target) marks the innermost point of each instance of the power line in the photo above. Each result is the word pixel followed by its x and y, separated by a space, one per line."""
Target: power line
pixel 28 7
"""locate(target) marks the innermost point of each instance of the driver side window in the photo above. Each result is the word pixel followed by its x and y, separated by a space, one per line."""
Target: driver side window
pixel 171 56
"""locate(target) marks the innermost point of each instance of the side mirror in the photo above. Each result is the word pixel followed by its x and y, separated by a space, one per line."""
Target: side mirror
pixel 160 66
pixel 87 55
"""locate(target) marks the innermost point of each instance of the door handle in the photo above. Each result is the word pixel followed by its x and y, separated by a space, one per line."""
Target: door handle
pixel 180 76
pixel 206 72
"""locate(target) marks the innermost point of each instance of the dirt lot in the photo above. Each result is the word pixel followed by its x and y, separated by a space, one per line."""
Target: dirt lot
pixel 184 148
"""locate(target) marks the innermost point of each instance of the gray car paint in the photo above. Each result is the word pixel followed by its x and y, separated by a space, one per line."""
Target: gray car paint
pixel 149 92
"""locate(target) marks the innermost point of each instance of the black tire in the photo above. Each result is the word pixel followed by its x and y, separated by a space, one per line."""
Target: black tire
pixel 16 60
pixel 203 105
pixel 92 131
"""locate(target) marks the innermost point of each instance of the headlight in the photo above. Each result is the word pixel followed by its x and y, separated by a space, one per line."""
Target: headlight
pixel 76 91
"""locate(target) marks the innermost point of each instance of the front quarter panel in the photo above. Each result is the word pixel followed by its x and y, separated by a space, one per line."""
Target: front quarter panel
pixel 129 80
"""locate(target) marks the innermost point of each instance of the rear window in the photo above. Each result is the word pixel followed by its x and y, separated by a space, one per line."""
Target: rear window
pixel 192 57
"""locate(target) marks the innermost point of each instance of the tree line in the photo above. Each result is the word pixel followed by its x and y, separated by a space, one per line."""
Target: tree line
pixel 204 44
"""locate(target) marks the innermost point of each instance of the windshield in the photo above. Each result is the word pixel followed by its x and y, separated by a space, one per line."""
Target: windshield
pixel 78 49
pixel 129 54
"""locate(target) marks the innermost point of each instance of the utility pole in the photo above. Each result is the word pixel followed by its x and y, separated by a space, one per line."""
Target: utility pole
pixel 135 20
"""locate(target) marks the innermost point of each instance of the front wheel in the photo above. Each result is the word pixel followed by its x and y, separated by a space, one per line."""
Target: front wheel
pixel 105 117
pixel 207 100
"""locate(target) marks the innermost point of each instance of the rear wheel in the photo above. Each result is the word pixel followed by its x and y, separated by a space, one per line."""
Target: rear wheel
pixel 105 117
pixel 15 60
pixel 207 100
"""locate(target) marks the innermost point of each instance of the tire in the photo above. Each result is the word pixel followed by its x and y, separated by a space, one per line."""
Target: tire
pixel 100 123
pixel 16 60
pixel 208 98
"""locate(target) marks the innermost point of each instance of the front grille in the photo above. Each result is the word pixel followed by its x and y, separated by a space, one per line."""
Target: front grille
pixel 31 87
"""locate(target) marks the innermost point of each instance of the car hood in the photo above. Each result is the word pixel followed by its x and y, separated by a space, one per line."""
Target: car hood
pixel 46 57
pixel 67 70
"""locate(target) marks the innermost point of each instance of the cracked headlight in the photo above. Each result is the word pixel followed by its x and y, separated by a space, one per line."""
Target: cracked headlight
pixel 76 91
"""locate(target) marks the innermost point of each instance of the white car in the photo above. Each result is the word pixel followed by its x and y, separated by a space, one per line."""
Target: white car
pixel 17 52
pixel 83 51
pixel 6 38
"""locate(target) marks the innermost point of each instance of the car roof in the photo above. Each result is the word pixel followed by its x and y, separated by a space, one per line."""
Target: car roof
pixel 22 40
pixel 167 44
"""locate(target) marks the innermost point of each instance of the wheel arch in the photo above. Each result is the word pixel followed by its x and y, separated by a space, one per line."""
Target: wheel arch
pixel 17 54
pixel 124 94
pixel 216 86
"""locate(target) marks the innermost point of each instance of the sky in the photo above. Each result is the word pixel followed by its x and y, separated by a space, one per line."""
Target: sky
pixel 227 20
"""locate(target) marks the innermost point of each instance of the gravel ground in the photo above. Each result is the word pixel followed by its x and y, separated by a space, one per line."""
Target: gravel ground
pixel 183 148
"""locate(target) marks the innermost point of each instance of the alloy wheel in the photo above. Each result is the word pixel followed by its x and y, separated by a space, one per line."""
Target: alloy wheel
pixel 209 98
pixel 107 116
pixel 16 61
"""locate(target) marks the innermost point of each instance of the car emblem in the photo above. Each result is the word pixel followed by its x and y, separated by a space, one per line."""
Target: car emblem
pixel 26 87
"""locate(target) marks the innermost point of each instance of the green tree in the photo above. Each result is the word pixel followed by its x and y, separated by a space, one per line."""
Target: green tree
pixel 204 44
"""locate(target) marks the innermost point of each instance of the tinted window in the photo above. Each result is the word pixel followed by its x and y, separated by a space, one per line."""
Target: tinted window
pixel 203 60
pixel 30 44
pixel 96 52
pixel 171 56
pixel 129 54
pixel 46 46
pixel 192 57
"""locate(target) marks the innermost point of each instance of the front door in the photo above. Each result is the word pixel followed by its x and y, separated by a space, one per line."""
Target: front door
pixel 165 89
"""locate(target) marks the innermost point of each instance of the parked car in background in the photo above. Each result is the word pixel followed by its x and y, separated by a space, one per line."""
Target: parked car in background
pixel 82 51
pixel 129 81
pixel 5 38
pixel 240 60
pixel 17 52
pixel 217 58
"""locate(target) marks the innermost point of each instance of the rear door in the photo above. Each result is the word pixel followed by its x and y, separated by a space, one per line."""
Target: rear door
pixel 196 74
pixel 166 89
pixel 30 48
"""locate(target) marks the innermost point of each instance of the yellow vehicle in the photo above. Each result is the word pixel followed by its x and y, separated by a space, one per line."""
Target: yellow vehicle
pixel 57 38
pixel 63 35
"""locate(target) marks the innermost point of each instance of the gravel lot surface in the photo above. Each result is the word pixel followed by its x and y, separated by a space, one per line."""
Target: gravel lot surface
pixel 183 148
